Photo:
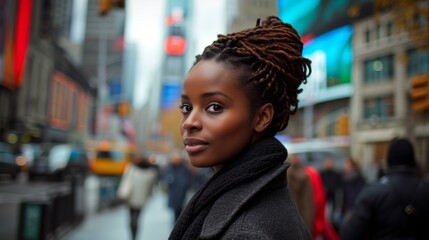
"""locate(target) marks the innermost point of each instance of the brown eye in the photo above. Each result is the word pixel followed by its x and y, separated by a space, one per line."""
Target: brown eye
pixel 185 108
pixel 214 108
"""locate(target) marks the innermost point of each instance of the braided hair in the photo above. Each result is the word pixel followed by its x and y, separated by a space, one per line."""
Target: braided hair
pixel 271 53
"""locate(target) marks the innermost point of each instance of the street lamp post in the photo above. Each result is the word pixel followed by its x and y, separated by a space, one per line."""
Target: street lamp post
pixel 101 78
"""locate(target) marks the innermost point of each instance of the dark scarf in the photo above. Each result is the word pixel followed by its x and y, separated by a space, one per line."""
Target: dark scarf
pixel 258 159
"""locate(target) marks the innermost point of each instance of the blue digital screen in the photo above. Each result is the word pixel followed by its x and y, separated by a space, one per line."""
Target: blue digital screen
pixel 170 95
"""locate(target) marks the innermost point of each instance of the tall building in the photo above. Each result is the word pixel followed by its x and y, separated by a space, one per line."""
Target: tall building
pixel 386 62
pixel 51 100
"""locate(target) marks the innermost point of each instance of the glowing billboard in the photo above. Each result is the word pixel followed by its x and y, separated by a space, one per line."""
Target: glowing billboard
pixel 314 17
pixel 331 56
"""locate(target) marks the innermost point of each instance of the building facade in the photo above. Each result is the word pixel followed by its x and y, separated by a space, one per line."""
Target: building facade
pixel 53 102
pixel 385 62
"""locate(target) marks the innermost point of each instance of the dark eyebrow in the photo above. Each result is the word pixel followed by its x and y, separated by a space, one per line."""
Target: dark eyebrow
pixel 209 94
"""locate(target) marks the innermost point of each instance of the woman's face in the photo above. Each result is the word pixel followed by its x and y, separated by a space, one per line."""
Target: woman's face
pixel 217 122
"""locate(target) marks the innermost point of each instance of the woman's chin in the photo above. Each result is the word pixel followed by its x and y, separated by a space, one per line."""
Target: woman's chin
pixel 199 164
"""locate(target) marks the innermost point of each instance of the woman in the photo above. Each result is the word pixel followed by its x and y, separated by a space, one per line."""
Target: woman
pixel 140 176
pixel 237 96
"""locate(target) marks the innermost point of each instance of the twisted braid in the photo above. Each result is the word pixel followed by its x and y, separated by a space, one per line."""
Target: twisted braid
pixel 272 54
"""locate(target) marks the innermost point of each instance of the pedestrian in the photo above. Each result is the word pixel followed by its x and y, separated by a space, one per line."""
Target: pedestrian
pixel 178 179
pixel 353 183
pixel 239 93
pixel 320 219
pixel 301 189
pixel 135 188
pixel 396 206
pixel 332 181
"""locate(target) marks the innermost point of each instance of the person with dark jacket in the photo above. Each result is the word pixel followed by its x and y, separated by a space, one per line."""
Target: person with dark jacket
pixel 353 184
pixel 396 206
pixel 178 178
pixel 332 181
pixel 239 93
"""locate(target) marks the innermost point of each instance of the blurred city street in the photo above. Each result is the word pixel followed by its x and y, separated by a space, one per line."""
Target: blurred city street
pixel 90 87
pixel 156 222
pixel 55 219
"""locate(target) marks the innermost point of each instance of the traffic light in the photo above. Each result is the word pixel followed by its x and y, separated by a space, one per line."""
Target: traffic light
pixel 420 92
pixel 342 125
pixel 104 6
pixel 124 109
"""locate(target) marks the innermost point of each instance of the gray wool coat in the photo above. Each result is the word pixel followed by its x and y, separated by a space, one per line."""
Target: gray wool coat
pixel 260 209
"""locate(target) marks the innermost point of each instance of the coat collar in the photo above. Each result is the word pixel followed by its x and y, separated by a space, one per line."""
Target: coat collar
pixel 228 205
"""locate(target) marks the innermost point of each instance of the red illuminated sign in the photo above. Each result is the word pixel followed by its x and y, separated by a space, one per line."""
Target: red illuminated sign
pixel 21 38
pixel 175 45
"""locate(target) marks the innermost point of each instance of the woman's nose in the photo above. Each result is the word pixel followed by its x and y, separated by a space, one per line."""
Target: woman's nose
pixel 192 121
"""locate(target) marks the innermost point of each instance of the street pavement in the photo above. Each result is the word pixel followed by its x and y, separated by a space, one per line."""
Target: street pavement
pixel 155 223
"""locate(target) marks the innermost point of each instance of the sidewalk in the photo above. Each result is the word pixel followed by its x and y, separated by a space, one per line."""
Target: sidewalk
pixel 156 222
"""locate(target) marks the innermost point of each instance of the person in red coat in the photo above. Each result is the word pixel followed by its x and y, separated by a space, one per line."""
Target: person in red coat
pixel 322 227
pixel 319 201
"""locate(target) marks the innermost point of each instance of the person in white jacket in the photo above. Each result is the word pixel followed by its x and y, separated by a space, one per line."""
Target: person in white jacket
pixel 136 187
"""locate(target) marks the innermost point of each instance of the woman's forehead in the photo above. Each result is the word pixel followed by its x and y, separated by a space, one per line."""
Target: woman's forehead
pixel 214 75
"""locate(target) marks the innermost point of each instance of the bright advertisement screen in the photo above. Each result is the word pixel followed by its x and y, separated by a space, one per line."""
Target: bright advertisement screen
pixel 170 114
pixel 331 56
pixel 318 16
pixel 170 96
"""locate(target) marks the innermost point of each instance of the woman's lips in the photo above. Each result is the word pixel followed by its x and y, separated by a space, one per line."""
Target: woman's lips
pixel 193 145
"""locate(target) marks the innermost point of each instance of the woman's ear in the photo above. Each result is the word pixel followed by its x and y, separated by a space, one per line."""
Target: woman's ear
pixel 264 116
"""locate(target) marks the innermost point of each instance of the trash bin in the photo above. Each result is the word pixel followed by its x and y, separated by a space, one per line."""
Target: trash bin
pixel 35 220
pixel 45 214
